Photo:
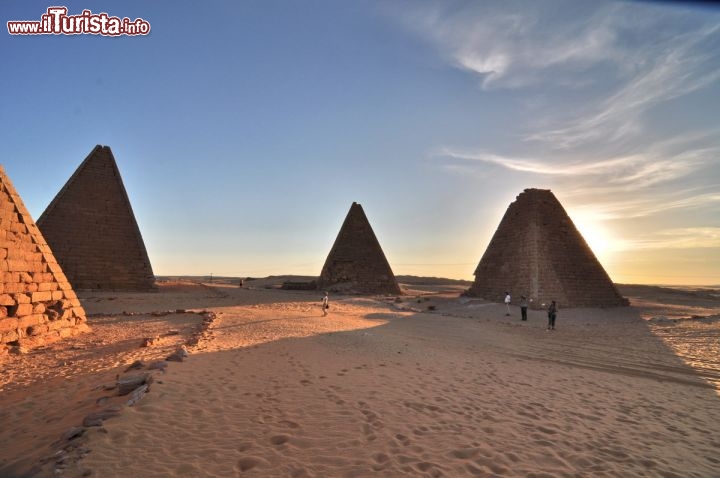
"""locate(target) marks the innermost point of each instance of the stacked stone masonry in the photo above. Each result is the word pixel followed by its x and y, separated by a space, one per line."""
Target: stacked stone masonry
pixel 37 303
pixel 92 230
pixel 356 263
pixel 537 252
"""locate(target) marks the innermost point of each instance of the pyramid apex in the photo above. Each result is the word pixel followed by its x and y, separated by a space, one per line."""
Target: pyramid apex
pixel 536 191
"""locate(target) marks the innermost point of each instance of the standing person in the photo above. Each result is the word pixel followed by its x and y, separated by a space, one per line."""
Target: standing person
pixel 507 303
pixel 552 314
pixel 523 307
pixel 325 304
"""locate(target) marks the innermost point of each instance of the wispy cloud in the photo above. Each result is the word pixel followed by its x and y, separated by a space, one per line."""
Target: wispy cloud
pixel 674 68
pixel 624 207
pixel 499 42
pixel 640 170
pixel 624 57
pixel 681 238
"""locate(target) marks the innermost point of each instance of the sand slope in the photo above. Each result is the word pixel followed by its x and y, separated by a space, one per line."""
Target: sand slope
pixel 391 389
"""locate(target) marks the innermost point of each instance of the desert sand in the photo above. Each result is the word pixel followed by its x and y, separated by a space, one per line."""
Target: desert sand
pixel 431 384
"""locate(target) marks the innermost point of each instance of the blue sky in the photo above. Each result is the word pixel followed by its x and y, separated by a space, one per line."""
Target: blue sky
pixel 244 130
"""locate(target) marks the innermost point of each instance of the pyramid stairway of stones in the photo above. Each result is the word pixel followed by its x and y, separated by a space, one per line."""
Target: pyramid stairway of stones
pixel 356 263
pixel 92 230
pixel 538 252
pixel 37 303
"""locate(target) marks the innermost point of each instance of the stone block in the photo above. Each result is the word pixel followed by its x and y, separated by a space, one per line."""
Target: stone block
pixel 41 296
pixel 66 332
pixel 17 265
pixel 30 320
pixel 59 324
pixel 47 286
pixel 14 288
pixel 18 228
pixel 7 324
pixel 22 298
pixel 7 299
pixel 23 310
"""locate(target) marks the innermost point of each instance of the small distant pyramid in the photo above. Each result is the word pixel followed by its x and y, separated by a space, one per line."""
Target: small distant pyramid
pixel 356 262
pixel 537 252
pixel 37 304
pixel 91 228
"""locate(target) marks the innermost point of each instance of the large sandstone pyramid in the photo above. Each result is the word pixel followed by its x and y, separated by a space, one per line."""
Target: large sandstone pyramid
pixel 537 252
pixel 91 228
pixel 356 262
pixel 37 303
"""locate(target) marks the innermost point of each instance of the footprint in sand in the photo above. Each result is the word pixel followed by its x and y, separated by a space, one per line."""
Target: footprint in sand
pixel 465 453
pixel 245 446
pixel 405 441
pixel 280 439
pixel 249 462
pixel 289 424
pixel 421 431
pixel 300 473
pixel 381 461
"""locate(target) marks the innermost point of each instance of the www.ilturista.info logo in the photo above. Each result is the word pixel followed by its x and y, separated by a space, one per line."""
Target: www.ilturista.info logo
pixel 57 22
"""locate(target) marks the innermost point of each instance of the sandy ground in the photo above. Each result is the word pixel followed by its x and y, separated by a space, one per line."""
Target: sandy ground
pixel 433 385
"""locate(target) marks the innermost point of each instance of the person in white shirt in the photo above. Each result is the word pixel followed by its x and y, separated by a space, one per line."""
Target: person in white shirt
pixel 507 302
pixel 325 305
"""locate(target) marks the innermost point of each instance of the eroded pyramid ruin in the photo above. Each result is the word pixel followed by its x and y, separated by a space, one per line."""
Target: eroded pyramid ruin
pixel 91 228
pixel 356 263
pixel 537 252
pixel 37 303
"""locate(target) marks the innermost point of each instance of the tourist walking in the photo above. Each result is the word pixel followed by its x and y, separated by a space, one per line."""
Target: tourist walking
pixel 523 307
pixel 325 304
pixel 552 314
pixel 507 303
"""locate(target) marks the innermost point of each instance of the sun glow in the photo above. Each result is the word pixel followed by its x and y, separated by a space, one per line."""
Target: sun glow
pixel 597 237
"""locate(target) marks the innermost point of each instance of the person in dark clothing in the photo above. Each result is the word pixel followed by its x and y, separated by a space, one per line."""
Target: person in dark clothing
pixel 523 307
pixel 552 314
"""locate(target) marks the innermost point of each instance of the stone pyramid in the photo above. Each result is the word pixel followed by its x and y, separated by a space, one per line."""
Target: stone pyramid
pixel 91 228
pixel 37 304
pixel 537 252
pixel 356 263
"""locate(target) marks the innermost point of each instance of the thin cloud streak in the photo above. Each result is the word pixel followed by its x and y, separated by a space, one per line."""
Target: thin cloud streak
pixel 640 170
pixel 625 208
pixel 684 238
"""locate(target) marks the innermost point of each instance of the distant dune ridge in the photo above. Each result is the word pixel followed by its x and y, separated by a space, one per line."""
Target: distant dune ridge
pixel 91 227
pixel 356 263
pixel 37 304
pixel 537 252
